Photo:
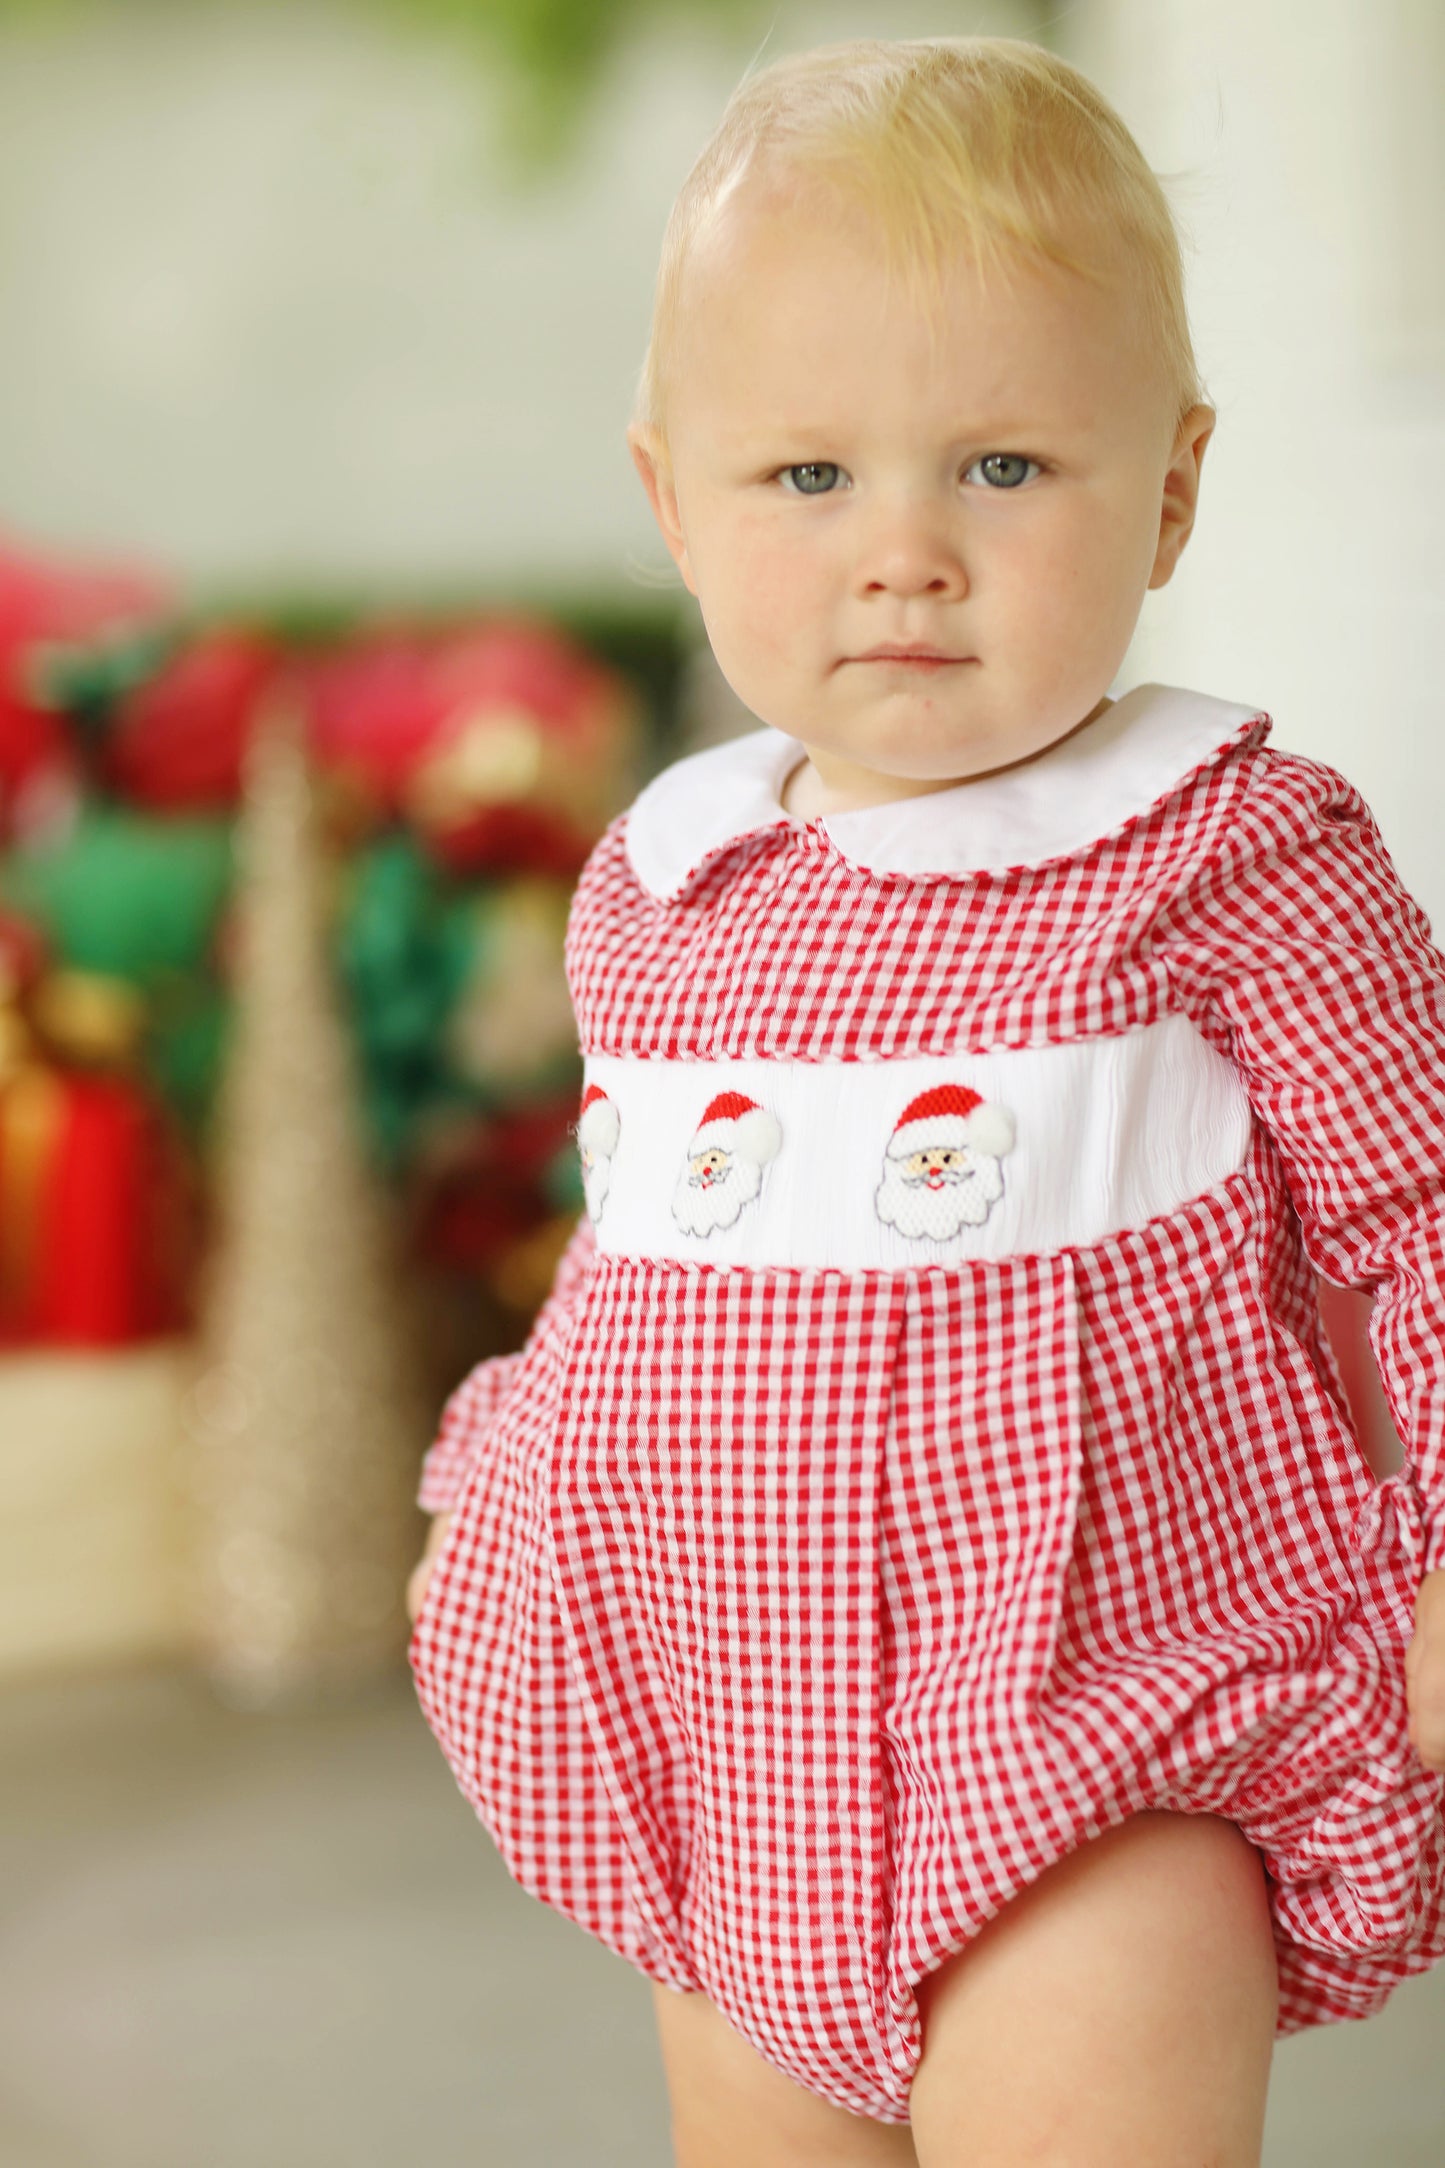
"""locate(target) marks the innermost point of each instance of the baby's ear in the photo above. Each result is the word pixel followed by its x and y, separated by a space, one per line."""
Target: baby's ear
pixel 650 457
pixel 1181 491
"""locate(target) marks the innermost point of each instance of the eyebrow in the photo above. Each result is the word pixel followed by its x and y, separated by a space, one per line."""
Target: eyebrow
pixel 766 435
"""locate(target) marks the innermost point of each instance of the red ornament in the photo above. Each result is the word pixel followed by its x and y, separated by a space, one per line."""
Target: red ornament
pixel 179 741
pixel 372 708
pixel 45 605
pixel 504 745
pixel 532 757
pixel 22 956
pixel 487 1189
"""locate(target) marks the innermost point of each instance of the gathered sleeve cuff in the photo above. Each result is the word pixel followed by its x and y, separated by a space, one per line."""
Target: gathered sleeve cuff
pixel 1320 977
pixel 473 1408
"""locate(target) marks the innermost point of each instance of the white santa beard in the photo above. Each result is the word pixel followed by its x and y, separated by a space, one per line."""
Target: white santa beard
pixel 596 1181
pixel 699 1207
pixel 964 1199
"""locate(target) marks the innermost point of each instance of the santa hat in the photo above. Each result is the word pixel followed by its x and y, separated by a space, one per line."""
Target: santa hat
pixel 732 1123
pixel 599 1124
pixel 950 1116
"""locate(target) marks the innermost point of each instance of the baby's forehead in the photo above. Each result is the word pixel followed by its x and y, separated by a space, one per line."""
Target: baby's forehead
pixel 769 200
pixel 799 325
pixel 776 238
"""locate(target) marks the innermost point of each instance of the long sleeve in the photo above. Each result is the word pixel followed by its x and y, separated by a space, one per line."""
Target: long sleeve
pixel 473 1408
pixel 1302 955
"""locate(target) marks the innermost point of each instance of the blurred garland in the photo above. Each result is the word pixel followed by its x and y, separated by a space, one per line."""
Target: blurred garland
pixel 553 51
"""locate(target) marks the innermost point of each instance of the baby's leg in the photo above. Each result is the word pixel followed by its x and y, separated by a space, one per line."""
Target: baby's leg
pixel 1122 2009
pixel 732 2109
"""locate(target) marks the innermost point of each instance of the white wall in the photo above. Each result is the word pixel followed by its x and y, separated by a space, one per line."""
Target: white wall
pixel 1310 140
pixel 272 311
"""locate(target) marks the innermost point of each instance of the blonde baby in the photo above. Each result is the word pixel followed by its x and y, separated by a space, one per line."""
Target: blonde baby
pixel 917 1595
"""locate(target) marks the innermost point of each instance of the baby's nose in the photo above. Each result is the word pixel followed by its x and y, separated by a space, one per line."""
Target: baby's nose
pixel 911 551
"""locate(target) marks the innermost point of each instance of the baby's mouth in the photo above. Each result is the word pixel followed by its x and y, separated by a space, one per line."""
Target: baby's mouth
pixel 912 658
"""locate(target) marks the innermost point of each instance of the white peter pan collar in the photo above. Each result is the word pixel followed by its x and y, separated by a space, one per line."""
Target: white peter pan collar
pixel 1139 752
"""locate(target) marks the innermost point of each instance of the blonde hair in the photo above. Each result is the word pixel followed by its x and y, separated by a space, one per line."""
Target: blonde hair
pixel 991 144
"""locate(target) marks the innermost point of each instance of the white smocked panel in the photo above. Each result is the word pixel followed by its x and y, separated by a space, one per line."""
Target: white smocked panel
pixel 1107 1135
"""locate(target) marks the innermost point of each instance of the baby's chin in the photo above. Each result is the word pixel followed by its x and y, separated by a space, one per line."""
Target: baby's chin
pixel 972 757
pixel 814 790
pixel 830 782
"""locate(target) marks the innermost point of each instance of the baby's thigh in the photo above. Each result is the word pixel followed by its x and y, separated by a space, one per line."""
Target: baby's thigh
pixel 732 2109
pixel 1121 2009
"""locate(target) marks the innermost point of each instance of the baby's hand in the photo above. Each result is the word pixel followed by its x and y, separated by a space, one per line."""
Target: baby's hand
pixel 421 1571
pixel 1425 1673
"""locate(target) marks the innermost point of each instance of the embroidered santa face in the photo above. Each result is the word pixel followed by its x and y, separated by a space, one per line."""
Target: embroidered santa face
pixel 723 1171
pixel 598 1128
pixel 941 1172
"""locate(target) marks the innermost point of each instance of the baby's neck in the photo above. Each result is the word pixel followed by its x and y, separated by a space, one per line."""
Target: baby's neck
pixel 806 796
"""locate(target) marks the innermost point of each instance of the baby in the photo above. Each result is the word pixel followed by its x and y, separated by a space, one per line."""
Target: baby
pixel 917 1595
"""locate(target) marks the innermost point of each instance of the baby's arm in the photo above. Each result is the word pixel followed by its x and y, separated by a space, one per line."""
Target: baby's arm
pixel 1300 939
pixel 1425 1673
pixel 420 1573
pixel 476 1403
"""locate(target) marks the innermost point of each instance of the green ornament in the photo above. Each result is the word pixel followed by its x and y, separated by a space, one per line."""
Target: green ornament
pixel 402 960
pixel 185 1045
pixel 126 894
pixel 87 682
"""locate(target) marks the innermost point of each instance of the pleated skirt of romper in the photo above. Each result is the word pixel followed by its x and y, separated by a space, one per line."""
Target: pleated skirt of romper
pixel 792 1621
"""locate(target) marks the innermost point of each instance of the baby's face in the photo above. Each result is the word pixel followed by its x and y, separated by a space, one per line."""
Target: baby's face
pixel 919 534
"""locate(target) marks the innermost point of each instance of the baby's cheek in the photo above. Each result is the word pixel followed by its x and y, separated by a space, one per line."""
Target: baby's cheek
pixel 1101 566
pixel 771 587
pixel 763 618
pixel 769 559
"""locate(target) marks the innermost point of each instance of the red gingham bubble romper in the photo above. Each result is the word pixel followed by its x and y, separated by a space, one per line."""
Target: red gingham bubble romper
pixel 929 1454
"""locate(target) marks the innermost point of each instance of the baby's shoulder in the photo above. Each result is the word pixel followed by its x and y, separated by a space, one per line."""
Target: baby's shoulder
pixel 1283 801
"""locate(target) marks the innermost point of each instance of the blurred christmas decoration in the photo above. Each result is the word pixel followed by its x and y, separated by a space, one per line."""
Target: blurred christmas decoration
pixel 472 769
pixel 309 1416
pixel 125 899
pixel 479 1186
pixel 177 739
pixel 400 950
pixel 99 1232
pixel 342 1077
pixel 502 745
pixel 510 1029
pixel 126 895
pixel 44 607
pixel 462 767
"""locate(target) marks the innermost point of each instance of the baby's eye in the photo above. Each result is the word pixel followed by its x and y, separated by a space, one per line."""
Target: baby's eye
pixel 1002 470
pixel 814 478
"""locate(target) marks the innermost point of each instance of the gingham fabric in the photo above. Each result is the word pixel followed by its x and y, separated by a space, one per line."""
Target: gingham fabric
pixel 793 1620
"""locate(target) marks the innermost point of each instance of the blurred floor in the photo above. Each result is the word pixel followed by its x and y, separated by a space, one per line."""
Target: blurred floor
pixel 280 1941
